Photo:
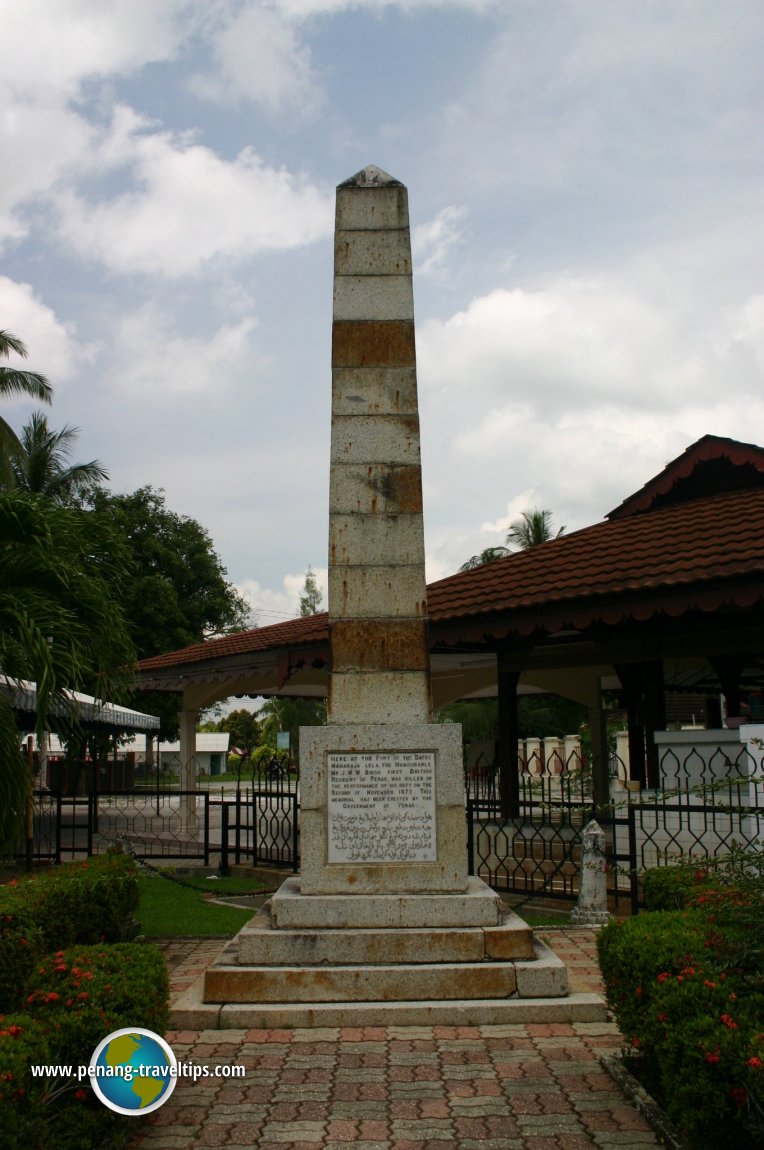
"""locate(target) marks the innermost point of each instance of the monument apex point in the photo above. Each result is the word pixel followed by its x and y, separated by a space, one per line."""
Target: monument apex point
pixel 371 177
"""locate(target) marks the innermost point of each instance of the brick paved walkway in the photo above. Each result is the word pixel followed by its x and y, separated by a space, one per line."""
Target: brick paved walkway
pixel 532 1087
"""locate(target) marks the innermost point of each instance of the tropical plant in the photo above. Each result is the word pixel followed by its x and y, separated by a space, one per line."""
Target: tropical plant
pixel 532 528
pixel 40 464
pixel 61 623
pixel 13 381
pixel 490 555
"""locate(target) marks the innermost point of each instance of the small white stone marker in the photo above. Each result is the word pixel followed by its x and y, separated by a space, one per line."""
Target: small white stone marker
pixel 591 908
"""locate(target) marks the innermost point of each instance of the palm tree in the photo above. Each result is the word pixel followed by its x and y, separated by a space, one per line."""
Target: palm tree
pixel 532 528
pixel 16 382
pixel 490 555
pixel 40 464
pixel 61 622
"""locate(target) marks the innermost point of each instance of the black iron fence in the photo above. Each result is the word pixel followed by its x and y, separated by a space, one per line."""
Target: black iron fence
pixel 710 800
pixel 244 825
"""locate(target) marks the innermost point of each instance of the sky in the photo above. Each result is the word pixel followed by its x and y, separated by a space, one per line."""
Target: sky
pixel 585 189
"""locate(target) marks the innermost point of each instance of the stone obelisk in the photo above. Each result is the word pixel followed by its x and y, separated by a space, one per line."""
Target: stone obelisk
pixel 383 922
pixel 383 792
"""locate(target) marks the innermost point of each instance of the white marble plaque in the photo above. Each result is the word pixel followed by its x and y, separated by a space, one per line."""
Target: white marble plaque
pixel 381 807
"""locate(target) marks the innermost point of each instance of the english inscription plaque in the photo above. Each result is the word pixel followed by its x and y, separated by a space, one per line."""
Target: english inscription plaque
pixel 381 807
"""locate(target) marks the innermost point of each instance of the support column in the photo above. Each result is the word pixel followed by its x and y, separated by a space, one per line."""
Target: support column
pixel 600 758
pixel 188 767
pixel 506 750
pixel 631 685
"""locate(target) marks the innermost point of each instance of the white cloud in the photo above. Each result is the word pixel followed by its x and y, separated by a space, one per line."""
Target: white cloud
pixel 257 56
pixel 189 206
pixel 156 363
pixel 52 345
pixel 276 606
pixel 433 242
pixel 51 46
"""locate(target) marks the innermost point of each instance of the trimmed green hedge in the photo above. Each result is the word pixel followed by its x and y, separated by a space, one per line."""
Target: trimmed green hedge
pixel 687 991
pixel 73 1000
pixel 69 980
pixel 83 902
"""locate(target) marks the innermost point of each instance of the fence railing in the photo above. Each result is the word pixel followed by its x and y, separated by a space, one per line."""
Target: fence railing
pixel 708 802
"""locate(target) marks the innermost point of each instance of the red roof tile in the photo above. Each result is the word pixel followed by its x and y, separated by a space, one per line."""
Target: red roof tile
pixel 697 554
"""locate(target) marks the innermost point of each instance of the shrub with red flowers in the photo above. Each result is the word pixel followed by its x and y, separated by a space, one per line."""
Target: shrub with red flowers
pixel 687 990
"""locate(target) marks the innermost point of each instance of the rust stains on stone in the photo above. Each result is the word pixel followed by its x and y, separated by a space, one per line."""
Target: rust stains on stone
pixel 378 343
pixel 400 487
pixel 379 645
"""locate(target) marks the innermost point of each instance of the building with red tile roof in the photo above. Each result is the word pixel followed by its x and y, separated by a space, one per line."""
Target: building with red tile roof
pixel 666 594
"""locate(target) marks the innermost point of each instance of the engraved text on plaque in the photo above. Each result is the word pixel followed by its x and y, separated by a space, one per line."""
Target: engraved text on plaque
pixel 381 807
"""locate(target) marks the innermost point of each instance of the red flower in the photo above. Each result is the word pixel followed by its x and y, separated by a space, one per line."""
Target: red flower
pixel 756 1063
pixel 713 1056
pixel 663 976
pixel 80 1094
pixel 638 992
pixel 51 996
pixel 738 1095
pixel 15 1031
pixel 729 1022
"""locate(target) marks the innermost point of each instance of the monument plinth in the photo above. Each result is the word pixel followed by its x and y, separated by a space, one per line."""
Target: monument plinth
pixel 384 923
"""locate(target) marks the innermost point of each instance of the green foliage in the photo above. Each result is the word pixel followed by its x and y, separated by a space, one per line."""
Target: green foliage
pixel 23 1114
pixel 76 903
pixel 84 992
pixel 531 529
pixel 61 623
pixel 289 715
pixel 13 381
pixel 41 464
pixel 244 729
pixel 73 999
pixel 687 989
pixel 177 594
pixel 672 887
pixel 310 599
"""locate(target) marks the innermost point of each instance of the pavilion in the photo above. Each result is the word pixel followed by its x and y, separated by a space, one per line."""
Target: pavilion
pixel 662 599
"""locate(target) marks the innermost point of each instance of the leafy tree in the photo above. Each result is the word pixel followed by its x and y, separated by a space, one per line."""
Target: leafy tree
pixel 490 555
pixel 532 528
pixel 244 729
pixel 177 593
pixel 289 715
pixel 61 621
pixel 40 464
pixel 16 382
pixel 310 600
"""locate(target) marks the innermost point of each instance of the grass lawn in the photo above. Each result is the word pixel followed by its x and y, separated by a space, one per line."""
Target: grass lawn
pixel 169 910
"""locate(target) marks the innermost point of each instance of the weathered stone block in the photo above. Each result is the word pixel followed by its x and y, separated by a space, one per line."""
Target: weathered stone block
pixel 372 209
pixel 478 905
pixel 374 391
pixel 511 939
pixel 260 944
pixel 373 298
pixel 373 343
pixel 358 983
pixel 377 592
pixel 371 540
pixel 375 489
pixel 545 976
pixel 385 645
pixel 376 439
pixel 386 696
pixel 362 253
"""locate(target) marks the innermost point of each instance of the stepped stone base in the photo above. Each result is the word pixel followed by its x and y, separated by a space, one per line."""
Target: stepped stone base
pixel 465 959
